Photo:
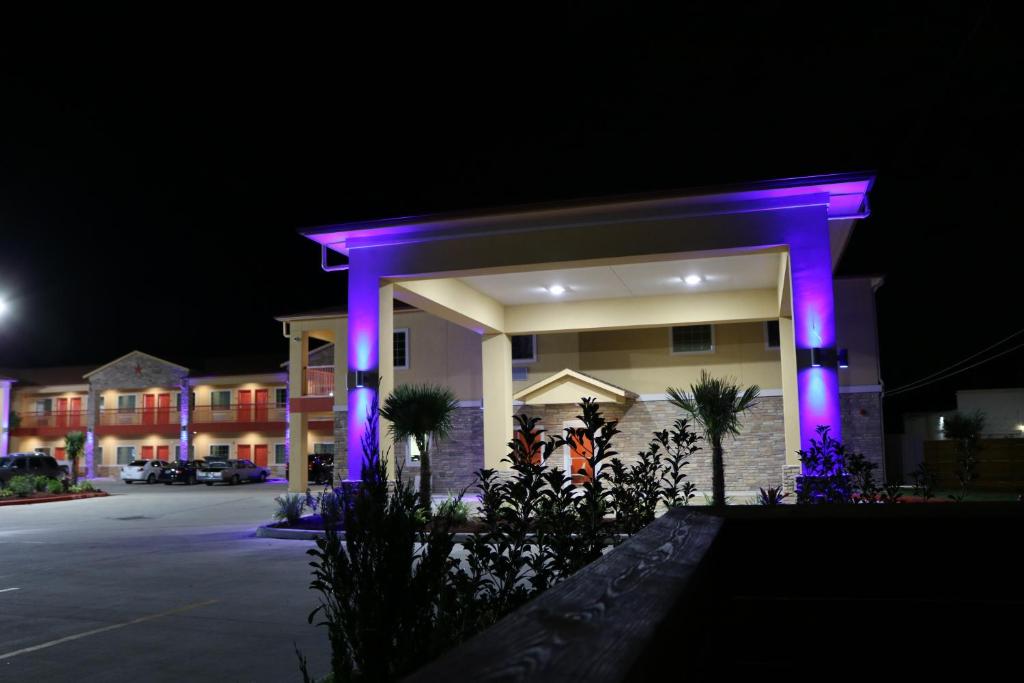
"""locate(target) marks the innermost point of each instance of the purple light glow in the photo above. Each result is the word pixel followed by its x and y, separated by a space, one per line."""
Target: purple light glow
pixel 363 348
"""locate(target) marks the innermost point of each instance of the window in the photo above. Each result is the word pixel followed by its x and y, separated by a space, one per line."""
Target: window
pixel 280 455
pixel 280 396
pixel 520 373
pixel 126 403
pixel 125 454
pixel 102 401
pixel 220 451
pixel 524 348
pixel 401 349
pixel 44 405
pixel 220 399
pixel 97 454
pixel 323 449
pixel 771 334
pixel 693 339
pixel 412 452
pixel 43 451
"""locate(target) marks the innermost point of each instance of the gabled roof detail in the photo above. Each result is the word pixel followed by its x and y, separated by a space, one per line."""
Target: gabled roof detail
pixel 135 353
pixel 569 386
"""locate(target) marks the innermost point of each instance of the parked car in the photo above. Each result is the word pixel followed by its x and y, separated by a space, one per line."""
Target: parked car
pixel 34 464
pixel 185 471
pixel 142 470
pixel 320 468
pixel 232 472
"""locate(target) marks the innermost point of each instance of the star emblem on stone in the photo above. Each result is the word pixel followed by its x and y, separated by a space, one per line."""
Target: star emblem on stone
pixel 138 369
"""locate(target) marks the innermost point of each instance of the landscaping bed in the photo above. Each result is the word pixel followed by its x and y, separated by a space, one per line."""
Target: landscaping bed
pixel 43 497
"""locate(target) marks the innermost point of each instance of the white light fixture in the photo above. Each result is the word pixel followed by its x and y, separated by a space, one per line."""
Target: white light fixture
pixel 3 306
pixel 693 280
pixel 557 290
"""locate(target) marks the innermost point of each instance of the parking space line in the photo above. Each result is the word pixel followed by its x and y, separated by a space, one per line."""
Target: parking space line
pixel 7 590
pixel 104 629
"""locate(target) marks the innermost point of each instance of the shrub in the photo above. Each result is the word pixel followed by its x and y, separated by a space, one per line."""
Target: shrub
pixel 773 495
pixel 22 485
pixel 455 508
pixel 6 493
pixel 82 487
pixel 289 507
pixel 54 486
pixel 965 430
pixel 831 475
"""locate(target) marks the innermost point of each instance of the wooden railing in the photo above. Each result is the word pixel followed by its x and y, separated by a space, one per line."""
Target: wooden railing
pixel 76 418
pixel 600 625
pixel 239 412
pixel 138 416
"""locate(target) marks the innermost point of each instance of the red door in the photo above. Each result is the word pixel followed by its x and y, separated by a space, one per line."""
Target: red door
pixel 580 457
pixel 163 453
pixel 163 409
pixel 259 454
pixel 62 412
pixel 262 397
pixel 76 411
pixel 59 453
pixel 147 452
pixel 245 452
pixel 148 411
pixel 244 405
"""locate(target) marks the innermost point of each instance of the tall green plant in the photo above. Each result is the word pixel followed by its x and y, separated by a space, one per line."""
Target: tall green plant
pixel 965 430
pixel 74 444
pixel 716 405
pixel 421 411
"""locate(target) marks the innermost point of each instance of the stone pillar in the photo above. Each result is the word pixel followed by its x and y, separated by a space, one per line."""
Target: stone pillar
pixel 185 410
pixel 5 416
pixel 497 394
pixel 91 422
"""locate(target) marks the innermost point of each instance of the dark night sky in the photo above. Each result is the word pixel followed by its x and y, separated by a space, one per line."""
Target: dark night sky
pixel 151 187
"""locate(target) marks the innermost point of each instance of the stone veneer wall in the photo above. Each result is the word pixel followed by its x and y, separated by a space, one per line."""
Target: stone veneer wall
pixel 455 460
pixel 341 446
pixel 756 458
pixel 753 459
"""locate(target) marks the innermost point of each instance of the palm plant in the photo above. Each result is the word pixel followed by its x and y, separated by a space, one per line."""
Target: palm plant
pixel 74 444
pixel 421 411
pixel 715 405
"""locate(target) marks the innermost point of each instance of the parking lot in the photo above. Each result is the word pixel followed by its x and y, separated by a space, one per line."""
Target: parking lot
pixel 154 583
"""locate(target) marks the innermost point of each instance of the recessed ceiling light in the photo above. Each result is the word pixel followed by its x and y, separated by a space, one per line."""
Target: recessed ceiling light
pixel 692 280
pixel 557 290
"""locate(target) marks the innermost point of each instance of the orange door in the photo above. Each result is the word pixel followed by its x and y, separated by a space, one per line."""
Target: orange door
pixel 580 458
pixel 259 454
pixel 59 453
pixel 163 409
pixel 262 397
pixel 163 453
pixel 147 452
pixel 76 411
pixel 148 410
pixel 62 412
pixel 244 405
pixel 525 449
pixel 245 452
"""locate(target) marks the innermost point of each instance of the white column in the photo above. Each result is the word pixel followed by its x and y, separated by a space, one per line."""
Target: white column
pixel 497 394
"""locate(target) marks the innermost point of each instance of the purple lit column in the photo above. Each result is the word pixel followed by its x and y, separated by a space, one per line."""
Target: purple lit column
pixel 814 327
pixel 363 350
pixel 5 412
pixel 91 421
pixel 185 410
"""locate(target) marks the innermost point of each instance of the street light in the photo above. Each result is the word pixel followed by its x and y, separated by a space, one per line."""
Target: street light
pixel 3 306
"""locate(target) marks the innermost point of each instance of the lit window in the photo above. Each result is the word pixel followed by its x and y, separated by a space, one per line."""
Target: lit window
pixel 771 334
pixel 44 405
pixel 401 349
pixel 279 454
pixel 220 399
pixel 280 396
pixel 693 339
pixel 125 454
pixel 126 403
pixel 524 348
pixel 220 451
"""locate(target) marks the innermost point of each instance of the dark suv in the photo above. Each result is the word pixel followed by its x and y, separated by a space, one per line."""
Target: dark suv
pixel 34 464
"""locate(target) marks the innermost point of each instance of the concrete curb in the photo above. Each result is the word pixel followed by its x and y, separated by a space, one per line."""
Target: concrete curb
pixel 53 499
pixel 313 534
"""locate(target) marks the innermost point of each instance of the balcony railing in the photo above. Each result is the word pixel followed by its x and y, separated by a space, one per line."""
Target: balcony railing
pixel 53 419
pixel 139 416
pixel 239 412
pixel 320 380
